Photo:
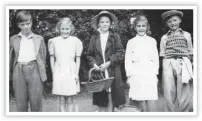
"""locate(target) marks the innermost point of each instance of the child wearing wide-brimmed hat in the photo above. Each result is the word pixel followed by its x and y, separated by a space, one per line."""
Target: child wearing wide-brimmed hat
pixel 105 53
pixel 176 50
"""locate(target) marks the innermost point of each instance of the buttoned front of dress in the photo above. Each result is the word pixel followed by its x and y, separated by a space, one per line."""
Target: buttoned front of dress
pixel 141 64
pixel 142 53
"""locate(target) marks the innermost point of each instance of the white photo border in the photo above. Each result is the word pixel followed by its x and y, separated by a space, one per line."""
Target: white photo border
pixel 195 45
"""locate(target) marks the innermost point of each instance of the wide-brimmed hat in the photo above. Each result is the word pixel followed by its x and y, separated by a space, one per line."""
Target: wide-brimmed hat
pixel 94 21
pixel 170 13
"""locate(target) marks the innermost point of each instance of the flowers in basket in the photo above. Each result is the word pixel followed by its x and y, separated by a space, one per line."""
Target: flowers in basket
pixel 96 75
pixel 96 81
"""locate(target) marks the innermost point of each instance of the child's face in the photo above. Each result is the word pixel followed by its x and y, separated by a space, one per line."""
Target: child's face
pixel 65 30
pixel 104 23
pixel 173 23
pixel 25 27
pixel 141 28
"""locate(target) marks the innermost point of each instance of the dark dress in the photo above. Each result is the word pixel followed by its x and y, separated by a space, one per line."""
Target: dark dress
pixel 114 52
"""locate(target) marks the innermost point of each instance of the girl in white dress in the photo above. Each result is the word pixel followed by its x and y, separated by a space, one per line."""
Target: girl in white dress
pixel 142 64
pixel 65 51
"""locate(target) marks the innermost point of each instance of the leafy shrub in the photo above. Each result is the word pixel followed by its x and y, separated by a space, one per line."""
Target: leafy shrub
pixel 45 20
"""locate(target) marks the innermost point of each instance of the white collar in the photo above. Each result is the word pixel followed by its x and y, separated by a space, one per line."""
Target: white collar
pixel 29 37
pixel 101 33
pixel 179 30
pixel 66 38
pixel 138 36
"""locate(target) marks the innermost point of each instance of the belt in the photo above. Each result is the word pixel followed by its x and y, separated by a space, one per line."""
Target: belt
pixel 175 57
pixel 27 63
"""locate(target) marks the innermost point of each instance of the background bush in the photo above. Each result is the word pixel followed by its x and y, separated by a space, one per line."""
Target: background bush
pixel 45 20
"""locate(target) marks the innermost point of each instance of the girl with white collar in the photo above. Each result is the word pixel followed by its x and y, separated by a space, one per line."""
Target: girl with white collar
pixel 142 64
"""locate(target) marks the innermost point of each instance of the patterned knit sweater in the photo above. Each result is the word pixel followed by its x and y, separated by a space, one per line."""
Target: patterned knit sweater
pixel 176 45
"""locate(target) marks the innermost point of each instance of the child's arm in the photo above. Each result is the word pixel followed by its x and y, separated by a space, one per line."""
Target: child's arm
pixel 51 52
pixel 78 61
pixel 117 57
pixel 91 54
pixel 52 62
pixel 79 49
pixel 11 56
pixel 163 46
pixel 128 60
pixel 189 45
pixel 43 50
pixel 119 54
pixel 155 57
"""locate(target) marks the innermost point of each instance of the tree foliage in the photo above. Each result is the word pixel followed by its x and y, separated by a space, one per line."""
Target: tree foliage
pixel 44 22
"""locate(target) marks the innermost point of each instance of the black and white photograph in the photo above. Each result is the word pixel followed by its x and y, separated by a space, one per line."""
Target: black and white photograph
pixel 118 60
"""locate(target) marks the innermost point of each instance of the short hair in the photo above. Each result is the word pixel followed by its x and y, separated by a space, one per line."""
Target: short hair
pixel 105 15
pixel 142 17
pixel 23 16
pixel 66 20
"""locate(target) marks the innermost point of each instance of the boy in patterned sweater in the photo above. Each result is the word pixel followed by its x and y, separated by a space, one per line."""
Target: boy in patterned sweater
pixel 176 50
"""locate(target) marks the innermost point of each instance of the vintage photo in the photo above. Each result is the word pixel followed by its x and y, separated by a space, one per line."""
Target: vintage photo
pixel 101 59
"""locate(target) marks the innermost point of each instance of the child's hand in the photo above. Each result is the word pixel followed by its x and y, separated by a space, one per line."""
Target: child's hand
pixel 127 82
pixel 104 66
pixel 96 67
pixel 52 72
pixel 191 58
pixel 157 78
pixel 77 79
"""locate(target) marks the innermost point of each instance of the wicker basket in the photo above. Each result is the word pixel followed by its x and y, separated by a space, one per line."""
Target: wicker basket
pixel 99 85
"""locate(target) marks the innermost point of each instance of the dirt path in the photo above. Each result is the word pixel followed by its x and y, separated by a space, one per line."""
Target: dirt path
pixel 84 100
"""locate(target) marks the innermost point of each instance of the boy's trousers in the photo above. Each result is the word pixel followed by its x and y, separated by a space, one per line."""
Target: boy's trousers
pixel 28 87
pixel 177 94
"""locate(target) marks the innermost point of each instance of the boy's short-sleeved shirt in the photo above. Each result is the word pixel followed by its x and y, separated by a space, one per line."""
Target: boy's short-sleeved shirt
pixel 165 38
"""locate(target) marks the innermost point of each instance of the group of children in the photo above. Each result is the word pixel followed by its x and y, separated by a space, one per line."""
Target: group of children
pixel 27 60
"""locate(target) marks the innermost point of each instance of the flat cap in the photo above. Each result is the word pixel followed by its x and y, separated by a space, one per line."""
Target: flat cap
pixel 170 13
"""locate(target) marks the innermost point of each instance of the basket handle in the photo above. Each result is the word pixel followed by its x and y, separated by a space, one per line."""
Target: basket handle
pixel 89 74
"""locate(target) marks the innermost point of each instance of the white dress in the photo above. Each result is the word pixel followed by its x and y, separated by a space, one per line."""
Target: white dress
pixel 65 51
pixel 142 64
